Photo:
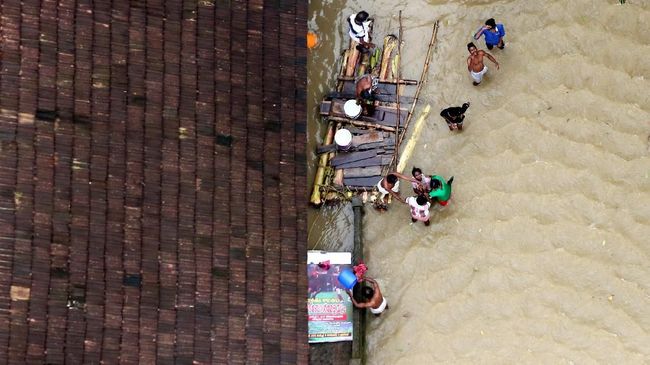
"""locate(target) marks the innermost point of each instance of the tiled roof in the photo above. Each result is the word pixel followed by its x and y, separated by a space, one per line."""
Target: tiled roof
pixel 152 182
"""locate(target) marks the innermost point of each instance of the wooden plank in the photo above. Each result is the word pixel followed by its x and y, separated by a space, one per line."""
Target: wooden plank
pixel 388 142
pixel 403 81
pixel 326 107
pixel 361 172
pixel 363 181
pixel 361 123
pixel 385 98
pixel 354 130
pixel 367 138
pixel 326 148
pixel 385 117
pixel 373 161
pixel 382 115
pixel 343 158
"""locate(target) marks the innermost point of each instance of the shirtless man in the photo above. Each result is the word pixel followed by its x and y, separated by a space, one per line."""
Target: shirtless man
pixel 475 64
pixel 365 93
pixel 374 300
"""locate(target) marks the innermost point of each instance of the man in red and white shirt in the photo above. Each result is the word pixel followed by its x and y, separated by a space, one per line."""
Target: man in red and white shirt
pixel 419 208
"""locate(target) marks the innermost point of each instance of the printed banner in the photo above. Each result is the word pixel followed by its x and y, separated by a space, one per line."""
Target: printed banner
pixel 328 305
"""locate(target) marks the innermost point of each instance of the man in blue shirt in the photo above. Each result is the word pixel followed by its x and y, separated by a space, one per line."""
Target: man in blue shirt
pixel 493 33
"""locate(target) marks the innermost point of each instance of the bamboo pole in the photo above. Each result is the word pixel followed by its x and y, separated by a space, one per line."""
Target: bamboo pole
pixel 360 123
pixel 344 66
pixel 389 45
pixel 423 79
pixel 397 91
pixel 410 145
pixel 353 59
pixel 322 165
pixel 401 82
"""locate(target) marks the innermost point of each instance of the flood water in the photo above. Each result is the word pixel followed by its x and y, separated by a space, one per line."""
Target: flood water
pixel 543 255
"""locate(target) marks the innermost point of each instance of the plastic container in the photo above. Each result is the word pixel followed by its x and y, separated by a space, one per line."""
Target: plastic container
pixel 343 139
pixel 352 109
pixel 347 279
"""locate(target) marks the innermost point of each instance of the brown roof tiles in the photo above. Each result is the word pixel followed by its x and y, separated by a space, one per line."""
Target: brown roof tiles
pixel 152 182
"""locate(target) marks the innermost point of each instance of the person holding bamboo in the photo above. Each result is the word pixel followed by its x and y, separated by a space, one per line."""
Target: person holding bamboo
pixel 390 185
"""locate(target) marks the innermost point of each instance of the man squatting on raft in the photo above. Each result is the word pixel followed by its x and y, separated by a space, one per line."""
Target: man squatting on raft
pixel 374 300
pixel 360 30
pixel 366 89
pixel 475 63
pixel 454 116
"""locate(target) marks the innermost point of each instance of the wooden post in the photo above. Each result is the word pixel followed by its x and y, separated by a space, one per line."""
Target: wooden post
pixel 423 78
pixel 322 165
pixel 358 316
pixel 398 77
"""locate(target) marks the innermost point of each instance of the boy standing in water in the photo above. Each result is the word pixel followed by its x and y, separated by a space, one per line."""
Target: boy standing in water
pixel 440 190
pixel 454 116
pixel 421 185
pixel 419 208
pixel 475 63
pixel 493 33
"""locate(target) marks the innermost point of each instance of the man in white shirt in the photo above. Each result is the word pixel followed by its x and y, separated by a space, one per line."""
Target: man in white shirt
pixel 360 28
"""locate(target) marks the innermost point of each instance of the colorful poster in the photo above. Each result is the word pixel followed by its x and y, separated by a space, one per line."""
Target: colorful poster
pixel 328 306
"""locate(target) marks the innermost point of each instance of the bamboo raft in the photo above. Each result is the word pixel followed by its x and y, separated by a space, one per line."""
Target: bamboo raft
pixel 377 137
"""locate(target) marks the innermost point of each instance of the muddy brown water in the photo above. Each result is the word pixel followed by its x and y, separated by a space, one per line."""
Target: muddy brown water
pixel 543 255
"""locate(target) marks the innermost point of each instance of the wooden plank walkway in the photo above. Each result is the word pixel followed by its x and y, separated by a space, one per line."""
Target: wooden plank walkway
pixel 153 182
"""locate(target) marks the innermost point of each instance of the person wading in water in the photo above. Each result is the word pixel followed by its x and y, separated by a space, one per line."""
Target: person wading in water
pixel 475 64
pixel 375 301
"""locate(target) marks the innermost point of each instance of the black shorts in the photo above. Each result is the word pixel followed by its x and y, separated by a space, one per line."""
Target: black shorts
pixel 490 46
